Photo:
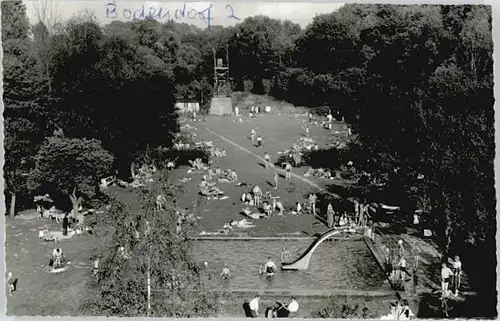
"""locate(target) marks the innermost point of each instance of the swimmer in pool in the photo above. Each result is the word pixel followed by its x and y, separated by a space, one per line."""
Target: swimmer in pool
pixel 285 254
pixel 225 273
pixel 270 267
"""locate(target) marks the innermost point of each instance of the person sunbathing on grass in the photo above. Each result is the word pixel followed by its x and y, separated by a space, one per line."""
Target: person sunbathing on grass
pixel 233 176
pixel 268 209
pixel 279 206
pixel 298 208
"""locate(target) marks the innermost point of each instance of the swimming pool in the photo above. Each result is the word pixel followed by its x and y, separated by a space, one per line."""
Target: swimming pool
pixel 340 264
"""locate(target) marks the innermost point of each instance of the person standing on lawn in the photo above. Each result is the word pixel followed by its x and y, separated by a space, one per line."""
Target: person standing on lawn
pixel 457 271
pixel 312 202
pixel 253 132
pixel 257 194
pixel 65 225
pixel 259 142
pixel 267 160
pixel 403 269
pixel 292 307
pixel 288 173
pixel 254 306
pixel 275 180
pixel 329 215
pixel 446 274
pixel 401 249
pixel 329 117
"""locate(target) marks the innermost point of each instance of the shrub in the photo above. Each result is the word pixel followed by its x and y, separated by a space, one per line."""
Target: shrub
pixel 344 308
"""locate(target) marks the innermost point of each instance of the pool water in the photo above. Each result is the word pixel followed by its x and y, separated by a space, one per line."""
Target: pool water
pixel 340 264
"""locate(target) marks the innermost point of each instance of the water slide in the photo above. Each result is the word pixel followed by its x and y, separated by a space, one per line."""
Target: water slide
pixel 302 263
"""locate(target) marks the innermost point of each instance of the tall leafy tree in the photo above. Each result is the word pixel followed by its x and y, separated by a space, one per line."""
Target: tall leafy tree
pixel 21 97
pixel 71 167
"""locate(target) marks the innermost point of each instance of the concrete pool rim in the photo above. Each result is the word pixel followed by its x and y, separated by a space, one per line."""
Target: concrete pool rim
pixel 270 238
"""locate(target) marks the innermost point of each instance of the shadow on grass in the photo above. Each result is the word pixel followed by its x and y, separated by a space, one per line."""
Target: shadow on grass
pixel 181 157
pixel 323 158
pixel 430 306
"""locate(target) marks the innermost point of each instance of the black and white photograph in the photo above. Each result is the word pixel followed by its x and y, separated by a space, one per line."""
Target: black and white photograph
pixel 249 160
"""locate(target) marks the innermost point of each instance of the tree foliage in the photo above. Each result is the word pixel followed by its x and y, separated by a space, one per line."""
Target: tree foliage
pixel 70 166
pixel 151 244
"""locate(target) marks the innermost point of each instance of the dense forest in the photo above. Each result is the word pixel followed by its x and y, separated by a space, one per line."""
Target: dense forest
pixel 415 82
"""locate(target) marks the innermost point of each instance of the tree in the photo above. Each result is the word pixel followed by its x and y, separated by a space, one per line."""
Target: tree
pixel 70 166
pixel 119 90
pixel 15 28
pixel 22 97
pixel 258 48
pixel 47 13
pixel 151 247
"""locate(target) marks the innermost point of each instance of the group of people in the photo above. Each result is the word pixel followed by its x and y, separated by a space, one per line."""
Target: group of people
pixel 361 211
pixel 269 208
pixel 228 174
pixel 451 275
pixel 400 310
pixel 340 220
pixel 450 271
pixel 254 110
pixel 253 134
pixel 283 310
pixel 398 272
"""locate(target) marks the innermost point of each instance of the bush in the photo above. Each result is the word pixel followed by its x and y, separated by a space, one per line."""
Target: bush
pixel 266 86
pixel 344 308
pixel 247 85
pixel 323 110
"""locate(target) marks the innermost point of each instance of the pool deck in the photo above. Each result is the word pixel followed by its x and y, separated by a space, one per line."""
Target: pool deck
pixel 309 292
pixel 249 238
pixel 271 238
pixel 428 283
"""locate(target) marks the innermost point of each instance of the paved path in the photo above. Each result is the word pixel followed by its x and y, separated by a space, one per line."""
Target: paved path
pixel 312 293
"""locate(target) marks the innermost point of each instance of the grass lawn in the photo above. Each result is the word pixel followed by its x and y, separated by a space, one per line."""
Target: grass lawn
pixel 38 291
pixel 278 132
